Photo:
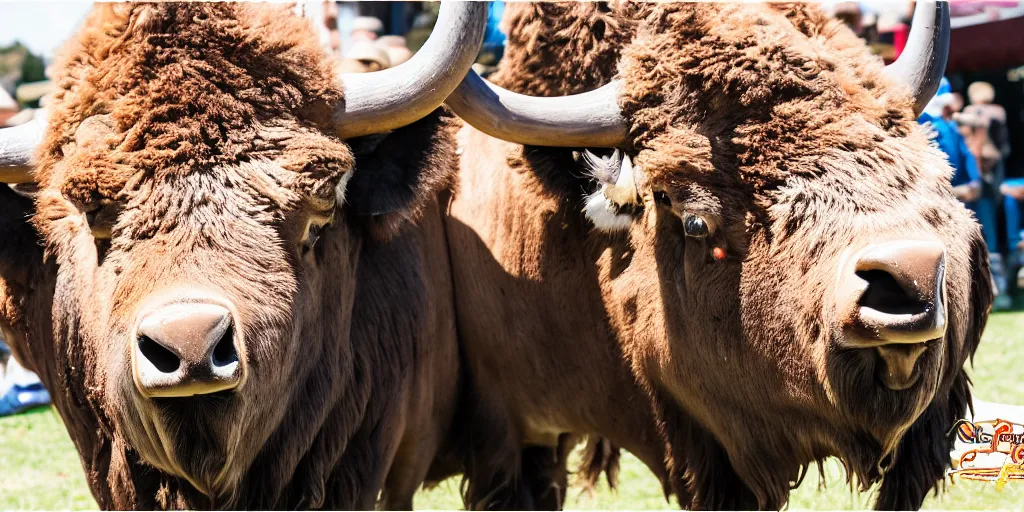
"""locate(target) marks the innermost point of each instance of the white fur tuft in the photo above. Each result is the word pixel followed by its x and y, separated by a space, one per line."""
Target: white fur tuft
pixel 601 213
pixel 339 189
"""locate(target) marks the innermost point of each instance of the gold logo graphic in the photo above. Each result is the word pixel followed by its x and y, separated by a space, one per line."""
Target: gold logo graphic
pixel 995 451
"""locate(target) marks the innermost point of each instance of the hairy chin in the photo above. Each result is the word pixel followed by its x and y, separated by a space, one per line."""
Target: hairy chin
pixel 923 454
pixel 204 435
pixel 883 412
pixel 195 438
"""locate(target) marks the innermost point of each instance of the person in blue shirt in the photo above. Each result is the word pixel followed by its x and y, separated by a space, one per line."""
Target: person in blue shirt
pixel 966 181
pixel 494 38
pixel 493 48
pixel 938 116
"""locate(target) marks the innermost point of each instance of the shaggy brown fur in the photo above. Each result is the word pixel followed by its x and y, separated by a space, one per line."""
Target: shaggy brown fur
pixel 724 377
pixel 542 35
pixel 189 147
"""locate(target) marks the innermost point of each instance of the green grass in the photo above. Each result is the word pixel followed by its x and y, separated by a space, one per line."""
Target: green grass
pixel 39 468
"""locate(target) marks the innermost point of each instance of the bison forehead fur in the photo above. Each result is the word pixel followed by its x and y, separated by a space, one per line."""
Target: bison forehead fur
pixel 780 128
pixel 188 88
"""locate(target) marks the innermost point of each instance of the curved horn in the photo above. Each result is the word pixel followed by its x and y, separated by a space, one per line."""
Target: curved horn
pixel 591 119
pixel 923 61
pixel 385 100
pixel 17 146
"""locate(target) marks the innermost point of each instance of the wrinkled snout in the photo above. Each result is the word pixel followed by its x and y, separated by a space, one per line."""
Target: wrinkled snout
pixel 891 295
pixel 186 349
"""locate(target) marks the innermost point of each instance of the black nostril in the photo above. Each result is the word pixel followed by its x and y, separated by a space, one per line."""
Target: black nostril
pixel 224 353
pixel 885 294
pixel 163 359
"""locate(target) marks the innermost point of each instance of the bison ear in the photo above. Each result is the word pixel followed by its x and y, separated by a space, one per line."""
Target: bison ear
pixel 399 173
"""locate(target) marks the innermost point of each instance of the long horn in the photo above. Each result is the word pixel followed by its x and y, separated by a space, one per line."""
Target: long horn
pixel 17 145
pixel 590 119
pixel 385 100
pixel 923 61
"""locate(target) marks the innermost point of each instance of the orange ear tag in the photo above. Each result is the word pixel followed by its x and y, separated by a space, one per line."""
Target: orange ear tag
pixel 718 253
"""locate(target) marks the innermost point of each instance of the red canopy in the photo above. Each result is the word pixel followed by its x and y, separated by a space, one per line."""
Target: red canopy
pixel 986 35
pixel 987 46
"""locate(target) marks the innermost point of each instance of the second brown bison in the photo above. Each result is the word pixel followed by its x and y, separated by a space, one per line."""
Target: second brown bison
pixel 773 270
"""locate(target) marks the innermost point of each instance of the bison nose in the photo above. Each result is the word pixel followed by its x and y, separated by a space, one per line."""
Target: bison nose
pixel 185 350
pixel 895 304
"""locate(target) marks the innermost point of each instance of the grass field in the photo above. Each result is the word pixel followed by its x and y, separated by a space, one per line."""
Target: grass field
pixel 39 467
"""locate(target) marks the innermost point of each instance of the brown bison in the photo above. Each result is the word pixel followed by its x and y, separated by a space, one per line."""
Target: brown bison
pixel 772 271
pixel 236 299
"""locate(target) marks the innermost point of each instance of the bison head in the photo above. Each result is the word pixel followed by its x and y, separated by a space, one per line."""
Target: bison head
pixel 192 190
pixel 815 286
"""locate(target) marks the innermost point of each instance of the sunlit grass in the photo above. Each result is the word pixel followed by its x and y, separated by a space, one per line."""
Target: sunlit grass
pixel 39 468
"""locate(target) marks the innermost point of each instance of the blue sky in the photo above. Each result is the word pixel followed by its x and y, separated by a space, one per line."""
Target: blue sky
pixel 44 25
pixel 41 25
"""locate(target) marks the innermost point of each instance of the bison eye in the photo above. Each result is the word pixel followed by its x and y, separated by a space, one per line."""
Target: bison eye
pixel 314 231
pixel 101 221
pixel 662 198
pixel 695 226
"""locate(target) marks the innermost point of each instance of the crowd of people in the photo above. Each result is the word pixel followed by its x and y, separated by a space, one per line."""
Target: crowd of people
pixel 976 141
pixel 369 50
